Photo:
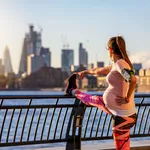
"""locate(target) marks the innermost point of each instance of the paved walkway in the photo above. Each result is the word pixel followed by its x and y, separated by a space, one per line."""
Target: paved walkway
pixel 135 145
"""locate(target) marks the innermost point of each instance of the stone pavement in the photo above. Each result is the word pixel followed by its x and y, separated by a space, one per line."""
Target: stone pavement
pixel 135 145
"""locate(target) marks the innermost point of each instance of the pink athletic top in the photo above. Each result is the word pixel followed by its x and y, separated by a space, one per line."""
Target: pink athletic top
pixel 117 86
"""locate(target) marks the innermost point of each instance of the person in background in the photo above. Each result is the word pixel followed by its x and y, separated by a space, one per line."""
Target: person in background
pixel 118 98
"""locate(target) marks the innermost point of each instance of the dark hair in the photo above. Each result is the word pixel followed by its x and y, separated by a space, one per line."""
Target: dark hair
pixel 119 47
pixel 113 44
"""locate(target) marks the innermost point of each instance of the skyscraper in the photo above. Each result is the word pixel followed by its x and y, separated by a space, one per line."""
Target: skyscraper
pixel 37 61
pixel 1 67
pixel 46 55
pixel 137 67
pixel 83 55
pixel 99 64
pixel 7 62
pixel 67 59
pixel 90 66
pixel 23 60
pixel 31 46
pixel 33 54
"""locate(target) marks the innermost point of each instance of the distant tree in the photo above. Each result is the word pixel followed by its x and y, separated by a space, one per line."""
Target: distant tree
pixel 11 82
pixel 3 81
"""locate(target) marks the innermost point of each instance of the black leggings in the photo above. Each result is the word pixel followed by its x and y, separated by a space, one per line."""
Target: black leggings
pixel 121 125
pixel 121 131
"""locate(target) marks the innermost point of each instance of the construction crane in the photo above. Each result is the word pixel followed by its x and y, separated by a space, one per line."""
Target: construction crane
pixel 64 41
pixel 41 30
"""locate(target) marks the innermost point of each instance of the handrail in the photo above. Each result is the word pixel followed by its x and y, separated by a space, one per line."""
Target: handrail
pixel 137 95
pixel 37 119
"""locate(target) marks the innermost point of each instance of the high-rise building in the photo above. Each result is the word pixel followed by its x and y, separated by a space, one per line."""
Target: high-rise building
pixel 83 55
pixel 34 41
pixel 37 61
pixel 33 54
pixel 23 60
pixel 7 62
pixel 99 64
pixel 46 55
pixel 67 59
pixel 31 46
pixel 137 67
pixel 34 63
pixel 74 68
pixel 90 66
pixel 1 67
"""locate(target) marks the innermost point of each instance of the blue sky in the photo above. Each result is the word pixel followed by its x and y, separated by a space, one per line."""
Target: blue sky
pixel 92 22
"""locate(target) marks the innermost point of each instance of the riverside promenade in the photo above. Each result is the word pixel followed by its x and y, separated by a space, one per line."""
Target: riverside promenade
pixel 135 145
pixel 57 122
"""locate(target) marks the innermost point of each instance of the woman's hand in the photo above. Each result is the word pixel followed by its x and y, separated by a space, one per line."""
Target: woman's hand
pixel 81 74
pixel 122 100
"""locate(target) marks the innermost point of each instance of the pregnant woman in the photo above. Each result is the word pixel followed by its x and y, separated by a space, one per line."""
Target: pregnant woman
pixel 118 98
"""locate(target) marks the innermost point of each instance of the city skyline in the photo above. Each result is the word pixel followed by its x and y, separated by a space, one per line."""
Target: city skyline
pixel 89 22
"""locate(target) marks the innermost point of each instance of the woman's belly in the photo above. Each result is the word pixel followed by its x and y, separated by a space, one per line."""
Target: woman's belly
pixel 110 96
pixel 116 109
pixel 109 99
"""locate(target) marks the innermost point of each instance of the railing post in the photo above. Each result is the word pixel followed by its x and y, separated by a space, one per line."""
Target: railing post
pixel 74 136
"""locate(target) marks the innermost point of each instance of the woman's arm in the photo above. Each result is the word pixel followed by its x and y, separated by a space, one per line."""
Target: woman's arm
pixel 132 86
pixel 95 71
pixel 128 74
pixel 98 71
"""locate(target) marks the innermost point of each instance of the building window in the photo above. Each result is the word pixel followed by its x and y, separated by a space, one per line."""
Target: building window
pixel 141 81
pixel 148 81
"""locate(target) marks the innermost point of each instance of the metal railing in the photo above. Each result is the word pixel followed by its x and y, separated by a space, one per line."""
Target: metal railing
pixel 37 119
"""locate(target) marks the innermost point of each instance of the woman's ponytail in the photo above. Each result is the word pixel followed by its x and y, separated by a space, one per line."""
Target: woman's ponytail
pixel 121 44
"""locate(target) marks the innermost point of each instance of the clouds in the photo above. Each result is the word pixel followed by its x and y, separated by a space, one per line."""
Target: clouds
pixel 141 57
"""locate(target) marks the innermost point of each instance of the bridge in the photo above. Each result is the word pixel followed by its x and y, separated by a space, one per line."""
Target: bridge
pixel 41 119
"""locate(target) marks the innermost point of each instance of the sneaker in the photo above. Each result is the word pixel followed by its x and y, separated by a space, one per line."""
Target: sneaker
pixel 71 84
